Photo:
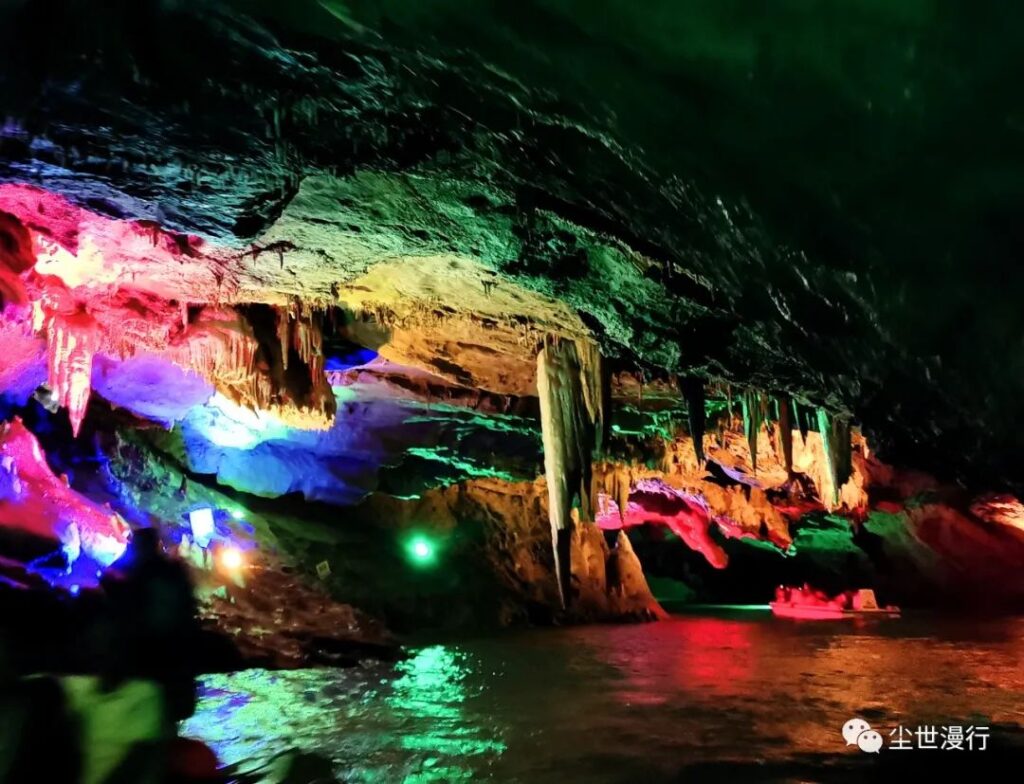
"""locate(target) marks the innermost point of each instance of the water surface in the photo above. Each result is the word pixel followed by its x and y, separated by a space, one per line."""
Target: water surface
pixel 733 696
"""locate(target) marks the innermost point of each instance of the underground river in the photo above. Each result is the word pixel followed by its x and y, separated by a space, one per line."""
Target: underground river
pixel 730 695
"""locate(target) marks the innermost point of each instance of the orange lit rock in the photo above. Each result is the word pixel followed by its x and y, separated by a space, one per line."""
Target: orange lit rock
pixel 220 345
pixel 608 582
pixel 573 417
pixel 630 595
pixel 605 583
pixel 1001 508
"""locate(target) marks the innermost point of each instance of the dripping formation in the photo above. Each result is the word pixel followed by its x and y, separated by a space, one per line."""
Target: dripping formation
pixel 480 297
pixel 572 391
pixel 406 321
pixel 71 344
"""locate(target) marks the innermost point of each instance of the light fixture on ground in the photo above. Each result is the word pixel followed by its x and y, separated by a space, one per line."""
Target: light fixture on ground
pixel 421 550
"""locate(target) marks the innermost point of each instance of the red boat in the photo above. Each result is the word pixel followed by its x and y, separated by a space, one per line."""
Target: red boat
pixel 809 604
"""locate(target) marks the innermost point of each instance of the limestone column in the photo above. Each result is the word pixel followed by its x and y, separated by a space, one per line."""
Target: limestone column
pixel 835 438
pixel 573 409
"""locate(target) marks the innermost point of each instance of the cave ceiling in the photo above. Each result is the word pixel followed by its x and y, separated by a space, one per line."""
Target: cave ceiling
pixel 805 198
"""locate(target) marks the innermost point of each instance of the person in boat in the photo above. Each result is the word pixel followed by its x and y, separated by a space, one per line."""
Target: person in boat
pixel 814 596
pixel 34 721
pixel 153 626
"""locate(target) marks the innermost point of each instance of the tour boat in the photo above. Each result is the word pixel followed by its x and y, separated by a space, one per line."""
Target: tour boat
pixel 810 605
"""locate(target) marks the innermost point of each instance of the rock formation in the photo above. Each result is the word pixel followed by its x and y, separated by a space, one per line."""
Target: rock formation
pixel 35 502
pixel 571 387
pixel 385 269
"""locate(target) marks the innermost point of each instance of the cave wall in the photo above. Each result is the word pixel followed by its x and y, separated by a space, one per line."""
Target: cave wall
pixel 191 248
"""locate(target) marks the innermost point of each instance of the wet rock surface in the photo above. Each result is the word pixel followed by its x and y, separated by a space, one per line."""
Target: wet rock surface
pixel 363 272
pixel 690 226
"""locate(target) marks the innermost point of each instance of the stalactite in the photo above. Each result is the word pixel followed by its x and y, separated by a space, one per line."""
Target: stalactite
pixel 667 463
pixel 597 395
pixel 572 411
pixel 693 392
pixel 622 484
pixel 753 411
pixel 219 346
pixel 835 437
pixel 786 433
pixel 284 320
pixel 800 415
pixel 308 340
pixel 614 481
pixel 72 341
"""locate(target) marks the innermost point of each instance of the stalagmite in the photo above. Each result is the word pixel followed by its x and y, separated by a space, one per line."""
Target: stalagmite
pixel 573 412
pixel 786 433
pixel 835 437
pixel 693 392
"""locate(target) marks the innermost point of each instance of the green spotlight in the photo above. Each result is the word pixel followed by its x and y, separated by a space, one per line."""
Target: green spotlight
pixel 421 550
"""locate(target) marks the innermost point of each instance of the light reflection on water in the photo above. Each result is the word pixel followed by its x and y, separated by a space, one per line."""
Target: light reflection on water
pixel 619 703
pixel 401 723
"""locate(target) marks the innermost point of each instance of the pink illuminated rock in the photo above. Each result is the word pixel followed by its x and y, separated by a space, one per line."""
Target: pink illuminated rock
pixel 23 367
pixel 685 514
pixel 39 503
pixel 72 341
pixel 124 287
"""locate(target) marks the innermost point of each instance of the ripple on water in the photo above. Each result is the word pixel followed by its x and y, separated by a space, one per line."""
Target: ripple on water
pixel 619 703
pixel 405 723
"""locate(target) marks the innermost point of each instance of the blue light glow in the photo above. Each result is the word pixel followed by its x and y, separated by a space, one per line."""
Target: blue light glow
pixel 227 424
pixel 357 357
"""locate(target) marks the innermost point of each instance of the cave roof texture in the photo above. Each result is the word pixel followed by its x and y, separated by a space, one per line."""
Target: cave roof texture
pixel 809 198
